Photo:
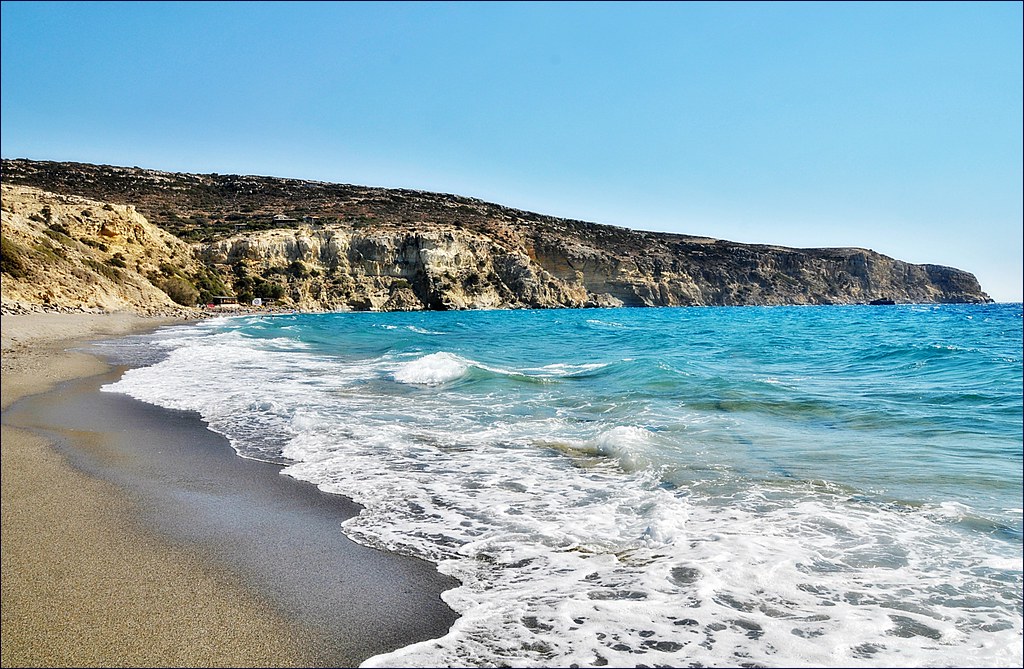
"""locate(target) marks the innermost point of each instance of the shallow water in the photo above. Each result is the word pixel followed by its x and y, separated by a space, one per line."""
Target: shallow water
pixel 713 486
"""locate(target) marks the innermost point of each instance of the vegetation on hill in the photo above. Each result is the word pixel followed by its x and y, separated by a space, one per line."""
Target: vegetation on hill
pixel 209 207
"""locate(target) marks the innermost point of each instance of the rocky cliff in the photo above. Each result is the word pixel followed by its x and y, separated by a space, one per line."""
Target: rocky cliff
pixel 318 246
pixel 63 252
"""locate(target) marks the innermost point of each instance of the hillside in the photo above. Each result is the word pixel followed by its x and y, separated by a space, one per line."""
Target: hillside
pixel 63 252
pixel 321 246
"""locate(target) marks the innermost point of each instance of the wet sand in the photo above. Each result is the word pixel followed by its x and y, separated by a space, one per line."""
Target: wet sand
pixel 134 536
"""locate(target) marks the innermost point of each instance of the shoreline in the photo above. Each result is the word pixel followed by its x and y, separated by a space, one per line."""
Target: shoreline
pixel 122 548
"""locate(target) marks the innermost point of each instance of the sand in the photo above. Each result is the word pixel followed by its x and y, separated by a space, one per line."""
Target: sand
pixel 133 536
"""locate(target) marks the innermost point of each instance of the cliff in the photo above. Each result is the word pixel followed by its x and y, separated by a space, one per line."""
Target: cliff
pixel 319 246
pixel 63 253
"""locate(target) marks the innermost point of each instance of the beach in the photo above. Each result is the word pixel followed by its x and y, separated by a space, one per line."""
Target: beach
pixel 133 536
pixel 659 487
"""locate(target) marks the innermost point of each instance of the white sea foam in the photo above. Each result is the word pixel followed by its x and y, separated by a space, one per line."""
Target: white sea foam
pixel 432 370
pixel 568 545
pixel 628 445
pixel 419 330
pixel 563 369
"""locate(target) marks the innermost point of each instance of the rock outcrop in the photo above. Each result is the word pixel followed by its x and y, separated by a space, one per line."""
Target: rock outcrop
pixel 62 252
pixel 317 246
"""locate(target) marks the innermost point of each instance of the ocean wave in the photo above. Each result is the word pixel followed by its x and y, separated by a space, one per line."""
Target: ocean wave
pixel 444 367
pixel 419 330
pixel 560 370
pixel 631 447
pixel 432 370
pixel 608 324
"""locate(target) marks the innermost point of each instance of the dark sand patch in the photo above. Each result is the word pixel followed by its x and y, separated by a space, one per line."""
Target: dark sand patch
pixel 282 536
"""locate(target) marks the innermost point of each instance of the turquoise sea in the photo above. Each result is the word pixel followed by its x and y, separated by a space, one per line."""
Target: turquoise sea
pixel 744 486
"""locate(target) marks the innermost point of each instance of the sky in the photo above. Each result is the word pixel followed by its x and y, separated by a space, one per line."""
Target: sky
pixel 890 126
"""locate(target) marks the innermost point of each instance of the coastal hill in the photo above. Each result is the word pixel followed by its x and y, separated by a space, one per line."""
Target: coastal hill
pixel 105 237
pixel 67 253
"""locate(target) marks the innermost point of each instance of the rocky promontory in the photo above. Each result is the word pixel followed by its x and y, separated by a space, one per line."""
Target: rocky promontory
pixel 170 238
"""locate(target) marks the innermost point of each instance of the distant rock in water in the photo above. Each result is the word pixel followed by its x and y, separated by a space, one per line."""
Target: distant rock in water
pixel 319 246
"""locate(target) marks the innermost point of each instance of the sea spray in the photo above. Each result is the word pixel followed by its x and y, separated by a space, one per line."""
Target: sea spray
pixel 431 370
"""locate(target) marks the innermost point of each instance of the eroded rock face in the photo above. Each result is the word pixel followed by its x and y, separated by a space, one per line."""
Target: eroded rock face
pixel 457 269
pixel 392 270
pixel 63 252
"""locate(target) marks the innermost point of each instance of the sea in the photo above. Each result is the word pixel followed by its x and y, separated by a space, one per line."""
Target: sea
pixel 712 486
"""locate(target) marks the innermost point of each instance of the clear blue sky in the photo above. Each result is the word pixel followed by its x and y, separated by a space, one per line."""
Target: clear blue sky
pixel 890 126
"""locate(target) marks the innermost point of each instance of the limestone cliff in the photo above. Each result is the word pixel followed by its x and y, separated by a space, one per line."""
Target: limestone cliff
pixel 439 268
pixel 388 269
pixel 318 246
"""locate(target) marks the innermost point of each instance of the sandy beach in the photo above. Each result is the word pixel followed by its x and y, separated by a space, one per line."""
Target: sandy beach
pixel 133 536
